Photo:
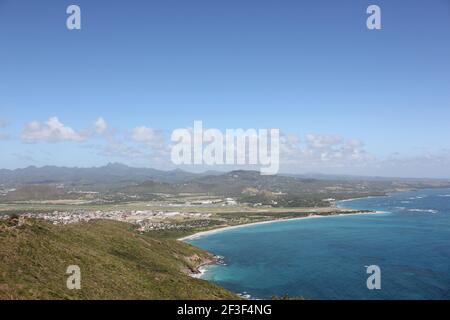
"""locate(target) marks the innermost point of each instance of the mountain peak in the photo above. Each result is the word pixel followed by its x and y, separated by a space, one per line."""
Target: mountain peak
pixel 116 165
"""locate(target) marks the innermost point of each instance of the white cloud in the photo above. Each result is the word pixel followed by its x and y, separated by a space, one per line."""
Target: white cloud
pixel 52 131
pixel 100 126
pixel 322 141
pixel 151 137
pixel 319 151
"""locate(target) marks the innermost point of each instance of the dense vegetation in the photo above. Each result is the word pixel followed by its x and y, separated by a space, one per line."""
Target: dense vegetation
pixel 115 262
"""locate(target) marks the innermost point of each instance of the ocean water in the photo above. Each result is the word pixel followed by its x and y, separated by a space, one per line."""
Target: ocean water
pixel 326 258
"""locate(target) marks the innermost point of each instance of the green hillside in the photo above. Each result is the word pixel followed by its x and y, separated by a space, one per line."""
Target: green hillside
pixel 115 262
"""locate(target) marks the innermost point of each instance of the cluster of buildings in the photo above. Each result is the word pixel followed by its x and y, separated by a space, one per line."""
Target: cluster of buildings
pixel 206 203
pixel 4 191
pixel 149 225
pixel 145 219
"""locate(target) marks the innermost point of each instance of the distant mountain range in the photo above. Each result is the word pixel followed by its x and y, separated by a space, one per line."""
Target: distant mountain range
pixel 116 176
pixel 120 174
pixel 112 174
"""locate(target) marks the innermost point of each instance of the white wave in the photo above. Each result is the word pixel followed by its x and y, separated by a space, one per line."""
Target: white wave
pixel 423 210
pixel 244 295
pixel 201 272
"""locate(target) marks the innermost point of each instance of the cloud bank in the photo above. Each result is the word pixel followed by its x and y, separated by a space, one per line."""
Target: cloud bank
pixel 317 152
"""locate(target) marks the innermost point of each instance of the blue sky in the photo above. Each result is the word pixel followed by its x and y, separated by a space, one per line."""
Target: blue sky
pixel 306 67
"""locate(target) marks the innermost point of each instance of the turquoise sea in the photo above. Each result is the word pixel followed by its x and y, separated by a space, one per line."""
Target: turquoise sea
pixel 326 258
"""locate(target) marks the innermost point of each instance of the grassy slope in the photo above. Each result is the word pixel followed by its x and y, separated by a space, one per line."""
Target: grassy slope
pixel 115 262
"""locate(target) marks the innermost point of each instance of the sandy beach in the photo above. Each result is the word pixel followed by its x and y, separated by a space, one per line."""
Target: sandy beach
pixel 312 216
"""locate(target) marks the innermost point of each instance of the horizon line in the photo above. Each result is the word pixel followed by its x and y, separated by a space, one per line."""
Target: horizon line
pixel 226 171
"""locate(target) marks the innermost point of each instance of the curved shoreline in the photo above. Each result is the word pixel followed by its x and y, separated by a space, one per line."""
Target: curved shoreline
pixel 222 229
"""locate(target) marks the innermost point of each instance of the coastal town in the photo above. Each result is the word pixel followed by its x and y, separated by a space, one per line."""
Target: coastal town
pixel 205 215
pixel 196 204
pixel 145 219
